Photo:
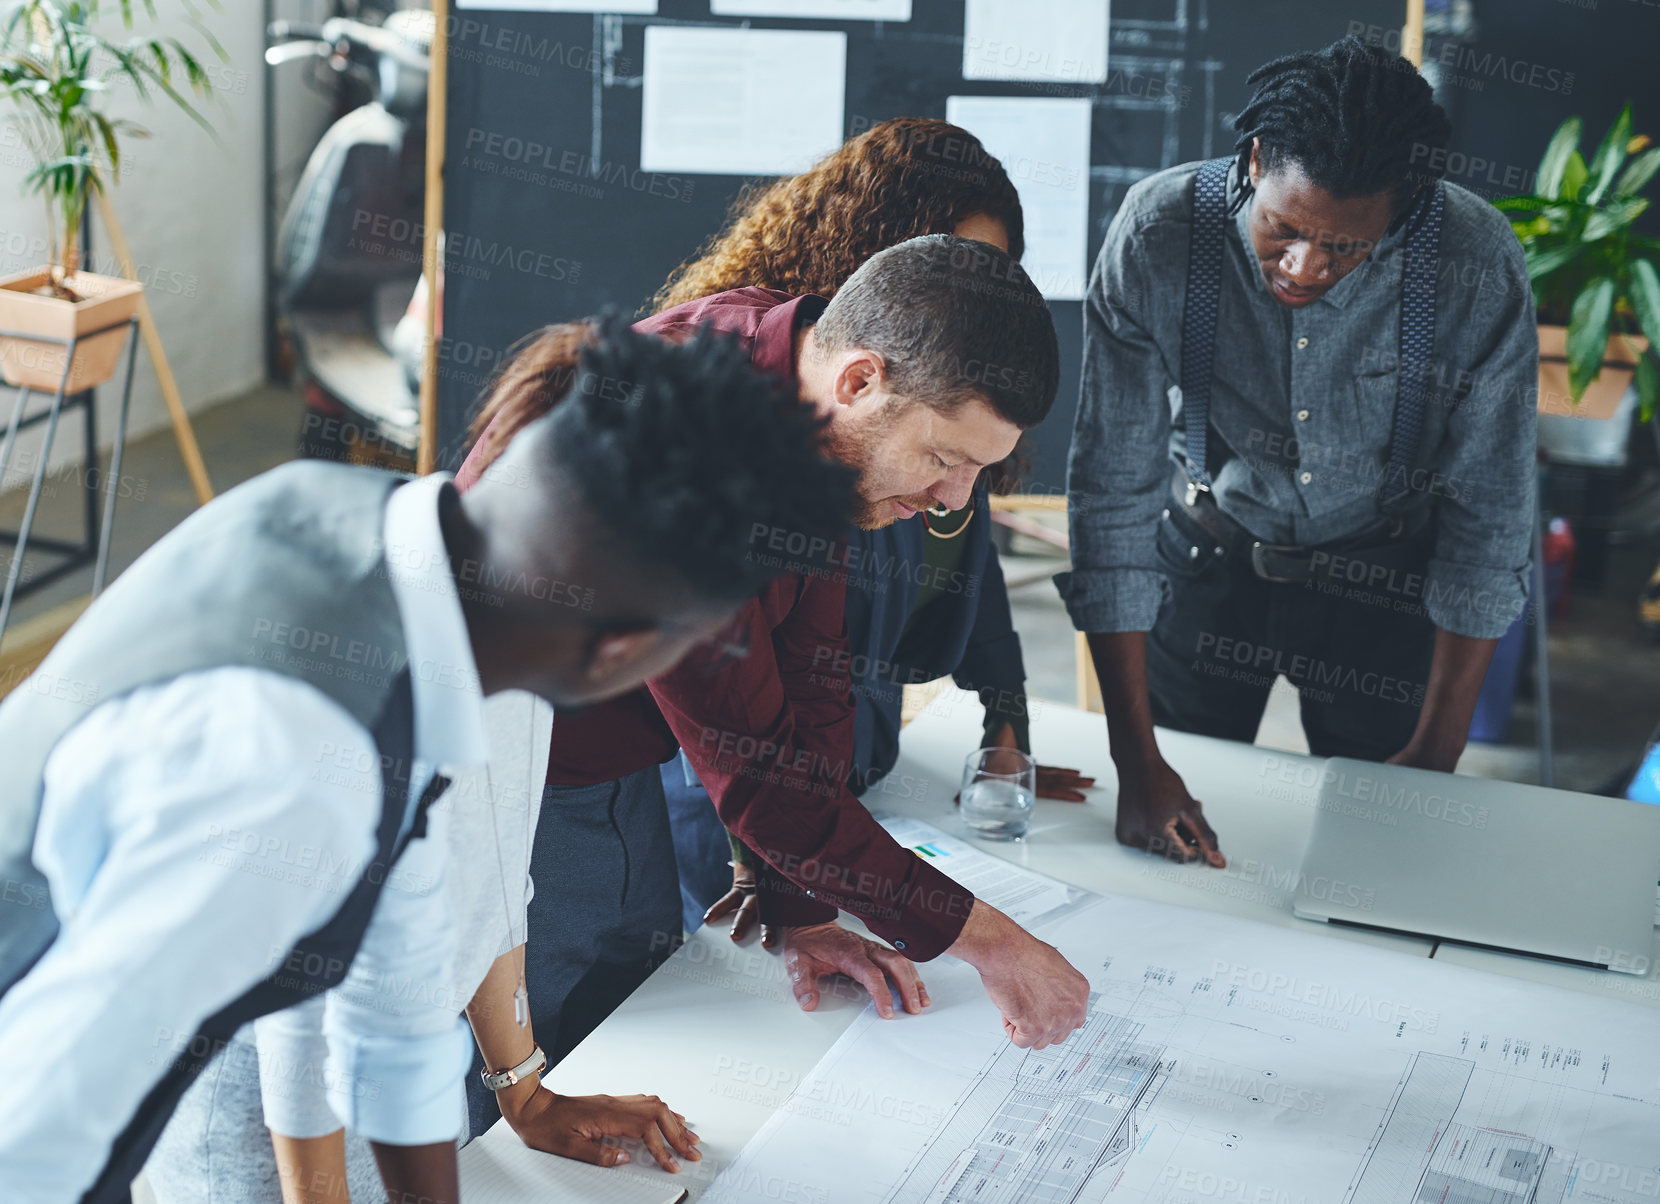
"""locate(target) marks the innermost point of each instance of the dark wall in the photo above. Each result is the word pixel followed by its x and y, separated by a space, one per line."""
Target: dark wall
pixel 1529 64
pixel 550 218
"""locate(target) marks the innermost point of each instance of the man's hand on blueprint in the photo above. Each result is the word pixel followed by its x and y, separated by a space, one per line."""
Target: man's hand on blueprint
pixel 1156 813
pixel 1042 998
pixel 817 950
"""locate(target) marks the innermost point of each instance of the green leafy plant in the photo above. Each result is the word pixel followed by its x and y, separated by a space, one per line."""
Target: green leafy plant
pixel 1590 271
pixel 60 74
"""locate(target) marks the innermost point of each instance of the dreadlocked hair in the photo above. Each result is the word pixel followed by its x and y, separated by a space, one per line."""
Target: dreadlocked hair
pixel 1355 119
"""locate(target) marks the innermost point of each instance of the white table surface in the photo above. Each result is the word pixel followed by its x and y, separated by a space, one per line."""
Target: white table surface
pixel 716 1032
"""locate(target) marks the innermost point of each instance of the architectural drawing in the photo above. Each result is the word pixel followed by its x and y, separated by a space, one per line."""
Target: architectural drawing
pixel 1236 1062
pixel 1037 1124
pixel 1421 1154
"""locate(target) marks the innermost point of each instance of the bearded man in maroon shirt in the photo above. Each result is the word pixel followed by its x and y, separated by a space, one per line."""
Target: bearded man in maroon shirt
pixel 927 366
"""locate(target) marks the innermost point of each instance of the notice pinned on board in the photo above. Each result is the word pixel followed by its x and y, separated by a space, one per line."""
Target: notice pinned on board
pixel 631 7
pixel 760 102
pixel 1056 41
pixel 835 10
pixel 1043 144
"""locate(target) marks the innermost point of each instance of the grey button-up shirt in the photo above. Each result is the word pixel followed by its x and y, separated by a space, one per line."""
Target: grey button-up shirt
pixel 1301 409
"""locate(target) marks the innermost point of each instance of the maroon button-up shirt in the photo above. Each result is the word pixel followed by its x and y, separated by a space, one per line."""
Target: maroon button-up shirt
pixel 771 735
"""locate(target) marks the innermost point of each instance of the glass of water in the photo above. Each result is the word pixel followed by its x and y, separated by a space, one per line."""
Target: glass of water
pixel 999 790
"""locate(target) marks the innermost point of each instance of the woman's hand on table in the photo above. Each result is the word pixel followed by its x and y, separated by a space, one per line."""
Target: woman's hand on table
pixel 588 1127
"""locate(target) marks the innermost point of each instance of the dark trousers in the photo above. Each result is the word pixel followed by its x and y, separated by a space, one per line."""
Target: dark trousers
pixel 604 915
pixel 1354 640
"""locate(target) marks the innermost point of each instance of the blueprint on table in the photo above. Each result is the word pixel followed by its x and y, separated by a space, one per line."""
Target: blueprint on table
pixel 1231 1061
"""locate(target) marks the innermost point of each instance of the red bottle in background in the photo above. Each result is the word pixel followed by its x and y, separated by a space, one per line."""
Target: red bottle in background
pixel 1559 567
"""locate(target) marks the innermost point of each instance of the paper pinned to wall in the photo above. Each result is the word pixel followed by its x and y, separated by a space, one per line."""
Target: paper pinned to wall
pixel 1057 41
pixel 1044 146
pixel 648 7
pixel 837 10
pixel 762 102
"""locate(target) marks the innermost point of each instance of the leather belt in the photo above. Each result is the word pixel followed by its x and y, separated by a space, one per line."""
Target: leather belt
pixel 1287 564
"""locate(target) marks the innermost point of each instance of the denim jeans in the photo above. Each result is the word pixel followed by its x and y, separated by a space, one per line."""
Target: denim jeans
pixel 701 847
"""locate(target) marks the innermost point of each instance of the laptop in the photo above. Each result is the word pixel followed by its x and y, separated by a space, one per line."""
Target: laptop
pixel 1521 869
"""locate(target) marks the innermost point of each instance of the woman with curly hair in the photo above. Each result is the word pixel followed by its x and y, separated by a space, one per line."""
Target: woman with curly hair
pixel 941 607
pixel 808 233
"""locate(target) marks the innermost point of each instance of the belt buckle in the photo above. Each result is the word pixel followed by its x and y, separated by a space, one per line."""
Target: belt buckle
pixel 1260 552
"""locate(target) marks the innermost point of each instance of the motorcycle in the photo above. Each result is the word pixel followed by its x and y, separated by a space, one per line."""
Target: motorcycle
pixel 349 249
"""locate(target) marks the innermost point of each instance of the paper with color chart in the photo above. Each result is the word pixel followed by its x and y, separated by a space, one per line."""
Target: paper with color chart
pixel 836 10
pixel 1054 41
pixel 1025 896
pixel 1043 144
pixel 648 7
pixel 762 102
pixel 1234 1062
pixel 498 1168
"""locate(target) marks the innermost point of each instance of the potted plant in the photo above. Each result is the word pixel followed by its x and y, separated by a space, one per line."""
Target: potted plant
pixel 1595 281
pixel 57 71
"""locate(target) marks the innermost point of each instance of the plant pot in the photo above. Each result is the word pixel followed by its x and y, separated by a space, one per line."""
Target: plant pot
pixel 98 321
pixel 1602 396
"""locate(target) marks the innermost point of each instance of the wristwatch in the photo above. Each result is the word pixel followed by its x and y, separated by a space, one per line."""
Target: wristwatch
pixel 497 1079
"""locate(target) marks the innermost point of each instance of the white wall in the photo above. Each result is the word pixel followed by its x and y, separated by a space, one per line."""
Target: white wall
pixel 191 212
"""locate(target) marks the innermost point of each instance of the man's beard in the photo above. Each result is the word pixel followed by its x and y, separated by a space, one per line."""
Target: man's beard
pixel 857 452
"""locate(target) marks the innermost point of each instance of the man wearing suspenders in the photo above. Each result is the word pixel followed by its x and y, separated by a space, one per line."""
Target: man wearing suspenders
pixel 1305 441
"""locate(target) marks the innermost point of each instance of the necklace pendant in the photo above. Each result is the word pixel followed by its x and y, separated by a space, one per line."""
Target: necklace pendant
pixel 521 1006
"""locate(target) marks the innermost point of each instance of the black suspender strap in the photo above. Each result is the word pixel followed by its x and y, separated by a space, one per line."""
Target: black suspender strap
pixel 1423 251
pixel 418 823
pixel 1204 285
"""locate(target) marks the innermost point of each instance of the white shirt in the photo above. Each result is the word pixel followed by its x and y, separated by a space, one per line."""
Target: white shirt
pixel 191 832
pixel 488 818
